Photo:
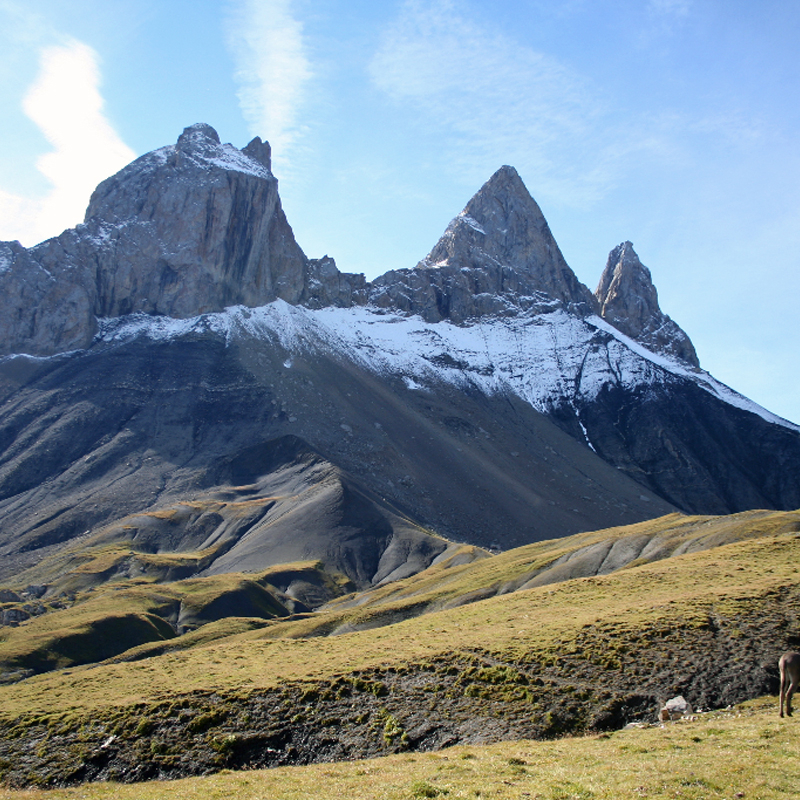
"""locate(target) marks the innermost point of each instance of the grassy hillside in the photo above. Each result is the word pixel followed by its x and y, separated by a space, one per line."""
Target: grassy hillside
pixel 707 618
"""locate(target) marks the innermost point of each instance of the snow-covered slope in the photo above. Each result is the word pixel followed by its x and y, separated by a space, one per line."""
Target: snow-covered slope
pixel 546 356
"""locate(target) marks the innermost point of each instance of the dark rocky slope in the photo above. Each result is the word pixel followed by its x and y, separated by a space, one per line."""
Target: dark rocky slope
pixel 95 436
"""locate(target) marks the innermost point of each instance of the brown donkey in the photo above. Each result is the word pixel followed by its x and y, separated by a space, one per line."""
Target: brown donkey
pixel 789 666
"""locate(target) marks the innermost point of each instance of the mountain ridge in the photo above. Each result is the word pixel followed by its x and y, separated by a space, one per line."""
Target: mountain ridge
pixel 198 226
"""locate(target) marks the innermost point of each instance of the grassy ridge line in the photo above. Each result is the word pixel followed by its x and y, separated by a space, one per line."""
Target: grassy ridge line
pixel 123 615
pixel 684 589
pixel 443 585
pixel 745 753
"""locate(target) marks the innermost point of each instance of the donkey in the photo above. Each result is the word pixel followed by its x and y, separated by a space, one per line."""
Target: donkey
pixel 789 666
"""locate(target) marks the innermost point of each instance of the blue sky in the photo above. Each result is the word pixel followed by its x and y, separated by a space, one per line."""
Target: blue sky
pixel 672 123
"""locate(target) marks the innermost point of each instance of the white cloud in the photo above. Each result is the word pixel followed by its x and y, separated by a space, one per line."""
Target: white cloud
pixel 65 103
pixel 272 69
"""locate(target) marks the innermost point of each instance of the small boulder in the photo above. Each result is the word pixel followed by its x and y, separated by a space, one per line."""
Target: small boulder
pixel 676 708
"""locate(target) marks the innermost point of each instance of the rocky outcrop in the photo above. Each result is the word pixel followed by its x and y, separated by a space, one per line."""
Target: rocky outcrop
pixel 43 310
pixel 186 229
pixel 497 254
pixel 629 301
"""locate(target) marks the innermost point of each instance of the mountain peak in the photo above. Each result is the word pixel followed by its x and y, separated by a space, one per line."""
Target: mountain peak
pixel 198 132
pixel 504 180
pixel 503 226
pixel 629 301
pixel 186 229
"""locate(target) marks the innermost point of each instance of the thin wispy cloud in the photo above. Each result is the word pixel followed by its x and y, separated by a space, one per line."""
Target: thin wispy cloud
pixel 66 104
pixel 670 8
pixel 272 69
pixel 665 18
pixel 499 101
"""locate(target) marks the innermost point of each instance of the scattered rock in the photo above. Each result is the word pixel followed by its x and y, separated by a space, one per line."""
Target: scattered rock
pixel 13 616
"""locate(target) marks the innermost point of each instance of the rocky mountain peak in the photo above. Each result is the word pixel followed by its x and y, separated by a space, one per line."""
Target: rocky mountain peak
pixel 198 226
pixel 503 226
pixel 200 132
pixel 187 229
pixel 629 301
pixel 175 178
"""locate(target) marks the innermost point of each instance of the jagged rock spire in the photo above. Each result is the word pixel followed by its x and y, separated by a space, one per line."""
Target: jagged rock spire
pixel 629 301
pixel 502 225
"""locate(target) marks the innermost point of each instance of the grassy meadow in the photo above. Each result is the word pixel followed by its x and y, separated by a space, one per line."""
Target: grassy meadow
pixel 733 579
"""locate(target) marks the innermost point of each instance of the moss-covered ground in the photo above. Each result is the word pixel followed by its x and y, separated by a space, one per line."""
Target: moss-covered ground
pixel 744 752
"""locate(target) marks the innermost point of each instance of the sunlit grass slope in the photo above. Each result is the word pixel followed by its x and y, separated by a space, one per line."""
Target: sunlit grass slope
pixel 682 591
pixel 123 614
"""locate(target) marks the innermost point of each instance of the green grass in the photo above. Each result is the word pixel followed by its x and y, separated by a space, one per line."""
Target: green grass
pixel 509 654
pixel 117 616
pixel 747 752
pixel 735 579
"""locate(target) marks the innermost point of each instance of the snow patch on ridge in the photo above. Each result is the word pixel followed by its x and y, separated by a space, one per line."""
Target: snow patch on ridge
pixel 543 358
pixel 473 223
pixel 220 156
pixel 229 157
pixel 702 378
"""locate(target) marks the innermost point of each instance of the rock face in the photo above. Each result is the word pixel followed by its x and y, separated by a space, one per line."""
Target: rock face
pixel 497 255
pixel 629 301
pixel 184 230
pixel 502 225
pixel 207 219
pixel 43 310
